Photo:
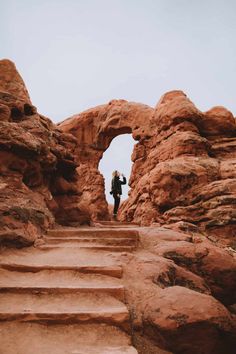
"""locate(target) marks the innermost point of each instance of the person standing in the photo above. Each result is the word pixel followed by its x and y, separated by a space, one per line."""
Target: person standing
pixel 116 190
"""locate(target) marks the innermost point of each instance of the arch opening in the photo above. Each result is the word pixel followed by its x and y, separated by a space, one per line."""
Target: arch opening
pixel 117 157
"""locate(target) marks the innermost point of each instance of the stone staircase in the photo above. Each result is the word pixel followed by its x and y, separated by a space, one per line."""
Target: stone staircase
pixel 109 239
pixel 67 296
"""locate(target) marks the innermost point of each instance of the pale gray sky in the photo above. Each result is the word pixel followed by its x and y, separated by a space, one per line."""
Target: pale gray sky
pixel 75 54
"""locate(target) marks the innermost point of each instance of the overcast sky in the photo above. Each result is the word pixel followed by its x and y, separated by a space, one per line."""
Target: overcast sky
pixel 75 54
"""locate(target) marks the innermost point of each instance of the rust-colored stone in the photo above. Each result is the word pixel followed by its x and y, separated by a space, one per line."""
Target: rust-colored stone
pixel 36 165
pixel 183 162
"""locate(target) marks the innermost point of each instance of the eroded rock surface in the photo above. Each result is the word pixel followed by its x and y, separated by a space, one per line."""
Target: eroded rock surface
pixel 94 130
pixel 37 167
pixel 183 163
pixel 180 289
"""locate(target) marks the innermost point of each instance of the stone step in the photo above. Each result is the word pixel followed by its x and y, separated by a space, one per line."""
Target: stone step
pixel 83 260
pixel 105 241
pixel 113 223
pixel 93 232
pixel 64 308
pixel 59 281
pixel 114 227
pixel 88 245
pixel 35 338
pixel 105 269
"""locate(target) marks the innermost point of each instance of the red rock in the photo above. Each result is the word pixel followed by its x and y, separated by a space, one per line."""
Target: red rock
pixel 11 81
pixel 178 161
pixel 174 108
pixel 173 305
pixel 180 314
pixel 228 168
pixel 218 121
pixel 5 113
pixel 33 154
pixel 197 254
pixel 94 129
pixel 183 161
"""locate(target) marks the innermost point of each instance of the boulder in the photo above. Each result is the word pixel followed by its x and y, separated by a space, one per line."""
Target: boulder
pixel 218 121
pixel 179 290
pixel 198 254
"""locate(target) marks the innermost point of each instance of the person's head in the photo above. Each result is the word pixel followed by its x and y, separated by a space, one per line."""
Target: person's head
pixel 115 173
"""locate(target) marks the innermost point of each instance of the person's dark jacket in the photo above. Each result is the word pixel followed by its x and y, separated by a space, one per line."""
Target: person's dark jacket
pixel 116 185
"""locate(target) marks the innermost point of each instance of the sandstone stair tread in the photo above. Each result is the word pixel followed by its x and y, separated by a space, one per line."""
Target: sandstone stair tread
pixel 86 261
pixel 106 240
pixel 115 271
pixel 117 224
pixel 91 232
pixel 55 278
pixel 122 227
pixel 95 239
pixel 92 241
pixel 35 338
pixel 84 307
pixel 34 255
pixel 51 280
pixel 94 246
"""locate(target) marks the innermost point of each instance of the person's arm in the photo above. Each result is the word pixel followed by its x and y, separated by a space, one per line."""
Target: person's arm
pixel 124 180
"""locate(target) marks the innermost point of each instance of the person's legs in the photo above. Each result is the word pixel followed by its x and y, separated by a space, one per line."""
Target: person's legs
pixel 116 203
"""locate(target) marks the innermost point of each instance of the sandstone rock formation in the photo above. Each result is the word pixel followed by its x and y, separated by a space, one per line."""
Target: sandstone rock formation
pixel 37 169
pixel 183 162
pixel 94 130
pixel 178 288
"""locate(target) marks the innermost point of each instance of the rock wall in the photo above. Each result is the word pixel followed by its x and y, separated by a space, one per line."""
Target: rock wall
pixel 38 179
pixel 183 163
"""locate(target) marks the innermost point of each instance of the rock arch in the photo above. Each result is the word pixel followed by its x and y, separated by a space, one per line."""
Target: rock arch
pixel 182 162
pixel 94 130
